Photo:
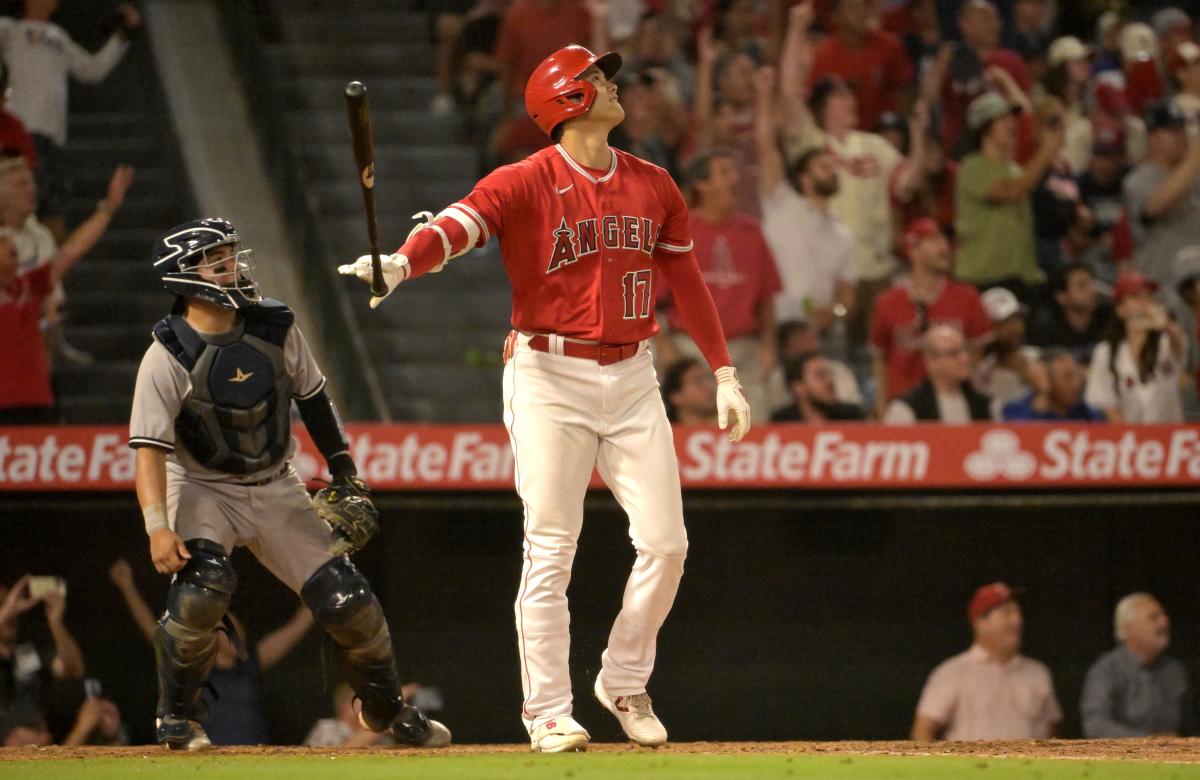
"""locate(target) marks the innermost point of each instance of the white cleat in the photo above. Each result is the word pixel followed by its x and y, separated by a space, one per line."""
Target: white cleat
pixel 560 734
pixel 439 735
pixel 635 715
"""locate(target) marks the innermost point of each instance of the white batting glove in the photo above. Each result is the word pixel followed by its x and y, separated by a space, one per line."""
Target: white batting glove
pixel 731 402
pixel 395 270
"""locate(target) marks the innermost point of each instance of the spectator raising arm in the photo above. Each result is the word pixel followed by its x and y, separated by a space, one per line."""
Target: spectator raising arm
pixel 703 105
pixel 795 63
pixel 121 574
pixel 277 644
pixel 91 68
pixel 771 166
pixel 84 237
pixel 1020 187
pixel 598 9
pixel 68 658
pixel 1175 187
pixel 908 174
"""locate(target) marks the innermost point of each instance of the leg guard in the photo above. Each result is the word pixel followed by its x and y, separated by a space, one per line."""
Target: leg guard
pixel 342 603
pixel 185 644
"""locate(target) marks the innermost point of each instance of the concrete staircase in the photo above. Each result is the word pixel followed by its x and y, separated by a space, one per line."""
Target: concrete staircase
pixel 436 342
pixel 113 297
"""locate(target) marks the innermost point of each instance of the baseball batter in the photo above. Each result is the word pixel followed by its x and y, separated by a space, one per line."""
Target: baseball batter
pixel 586 232
pixel 212 426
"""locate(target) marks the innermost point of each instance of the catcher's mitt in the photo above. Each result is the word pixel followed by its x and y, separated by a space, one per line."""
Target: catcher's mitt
pixel 346 506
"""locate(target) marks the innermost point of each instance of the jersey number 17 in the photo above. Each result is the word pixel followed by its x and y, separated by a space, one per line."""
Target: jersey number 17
pixel 636 290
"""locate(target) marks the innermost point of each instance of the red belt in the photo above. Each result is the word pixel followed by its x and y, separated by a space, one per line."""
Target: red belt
pixel 604 354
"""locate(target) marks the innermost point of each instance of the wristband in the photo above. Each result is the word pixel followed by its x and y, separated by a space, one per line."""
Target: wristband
pixel 155 518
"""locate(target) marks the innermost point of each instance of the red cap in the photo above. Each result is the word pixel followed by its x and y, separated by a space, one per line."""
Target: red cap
pixel 918 230
pixel 1130 282
pixel 988 598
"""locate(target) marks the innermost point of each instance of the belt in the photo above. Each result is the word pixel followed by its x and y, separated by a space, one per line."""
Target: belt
pixel 267 480
pixel 604 354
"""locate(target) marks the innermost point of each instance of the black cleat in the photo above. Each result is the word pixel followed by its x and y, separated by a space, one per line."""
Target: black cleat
pixel 181 734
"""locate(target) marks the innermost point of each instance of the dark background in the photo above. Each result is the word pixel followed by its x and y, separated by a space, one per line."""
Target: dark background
pixel 799 616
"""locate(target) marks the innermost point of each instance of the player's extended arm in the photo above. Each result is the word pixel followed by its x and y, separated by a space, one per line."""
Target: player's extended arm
pixel 700 319
pixel 430 245
pixel 167 550
pixel 274 646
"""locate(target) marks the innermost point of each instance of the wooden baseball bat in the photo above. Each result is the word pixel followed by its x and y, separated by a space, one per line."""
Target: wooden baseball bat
pixel 358 113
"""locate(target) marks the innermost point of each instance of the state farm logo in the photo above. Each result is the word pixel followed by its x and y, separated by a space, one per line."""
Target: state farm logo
pixel 1083 454
pixel 1000 455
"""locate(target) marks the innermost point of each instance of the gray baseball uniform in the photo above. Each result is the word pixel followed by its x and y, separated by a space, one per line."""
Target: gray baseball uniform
pixel 267 511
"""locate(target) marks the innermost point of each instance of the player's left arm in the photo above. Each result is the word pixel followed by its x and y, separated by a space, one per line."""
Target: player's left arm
pixel 676 259
pixel 316 408
pixel 346 504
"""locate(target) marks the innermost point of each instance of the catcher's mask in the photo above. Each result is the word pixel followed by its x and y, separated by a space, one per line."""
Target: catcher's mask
pixel 203 259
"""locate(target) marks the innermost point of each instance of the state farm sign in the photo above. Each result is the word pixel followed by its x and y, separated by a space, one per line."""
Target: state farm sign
pixel 478 457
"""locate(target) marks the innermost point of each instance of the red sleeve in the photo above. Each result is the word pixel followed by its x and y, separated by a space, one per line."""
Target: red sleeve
pixel 1026 138
pixel 695 307
pixel 676 233
pixel 13 134
pixel 880 335
pixel 975 322
pixel 40 282
pixel 823 62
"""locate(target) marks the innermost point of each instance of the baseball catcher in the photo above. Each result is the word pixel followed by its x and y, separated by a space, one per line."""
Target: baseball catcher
pixel 211 424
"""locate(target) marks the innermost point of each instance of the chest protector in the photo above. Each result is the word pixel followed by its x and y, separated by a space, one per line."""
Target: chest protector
pixel 237 418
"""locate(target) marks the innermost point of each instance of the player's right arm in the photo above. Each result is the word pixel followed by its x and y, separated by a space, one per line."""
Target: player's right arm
pixel 157 400
pixel 462 226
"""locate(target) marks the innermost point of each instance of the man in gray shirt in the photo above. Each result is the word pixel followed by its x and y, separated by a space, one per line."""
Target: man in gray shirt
pixel 1135 690
pixel 1162 195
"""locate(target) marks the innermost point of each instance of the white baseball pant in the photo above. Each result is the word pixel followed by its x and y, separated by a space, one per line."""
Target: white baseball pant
pixel 566 416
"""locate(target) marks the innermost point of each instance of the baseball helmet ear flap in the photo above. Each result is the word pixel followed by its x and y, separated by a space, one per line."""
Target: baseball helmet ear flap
pixel 555 92
pixel 182 258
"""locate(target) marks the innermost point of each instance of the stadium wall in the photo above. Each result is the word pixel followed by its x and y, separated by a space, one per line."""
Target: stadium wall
pixel 801 616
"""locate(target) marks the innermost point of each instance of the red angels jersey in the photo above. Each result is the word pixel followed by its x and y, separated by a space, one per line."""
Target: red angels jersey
pixel 579 244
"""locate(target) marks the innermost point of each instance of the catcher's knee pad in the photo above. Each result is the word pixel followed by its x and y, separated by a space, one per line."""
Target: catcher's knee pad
pixel 342 603
pixel 200 594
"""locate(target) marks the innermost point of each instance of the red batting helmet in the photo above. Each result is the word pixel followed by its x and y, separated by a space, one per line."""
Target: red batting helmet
pixel 549 91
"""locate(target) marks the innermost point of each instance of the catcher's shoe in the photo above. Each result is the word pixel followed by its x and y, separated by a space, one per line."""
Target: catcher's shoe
pixel 635 715
pixel 412 728
pixel 559 734
pixel 181 734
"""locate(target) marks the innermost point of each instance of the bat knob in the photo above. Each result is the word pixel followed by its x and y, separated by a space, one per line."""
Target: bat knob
pixel 355 89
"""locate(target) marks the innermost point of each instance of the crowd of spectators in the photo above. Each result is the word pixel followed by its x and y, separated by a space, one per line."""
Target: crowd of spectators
pixel 37 246
pixel 48 697
pixel 871 168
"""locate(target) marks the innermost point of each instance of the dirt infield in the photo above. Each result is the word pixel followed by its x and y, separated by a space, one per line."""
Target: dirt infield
pixel 1155 750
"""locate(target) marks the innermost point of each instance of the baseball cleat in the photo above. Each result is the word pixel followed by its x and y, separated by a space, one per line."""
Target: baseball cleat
pixel 181 734
pixel 412 728
pixel 635 715
pixel 438 736
pixel 560 734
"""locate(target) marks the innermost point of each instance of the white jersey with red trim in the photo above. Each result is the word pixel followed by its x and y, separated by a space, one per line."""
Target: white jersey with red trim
pixel 579 244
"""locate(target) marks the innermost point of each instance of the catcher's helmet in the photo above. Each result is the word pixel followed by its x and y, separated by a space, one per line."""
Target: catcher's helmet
pixel 555 93
pixel 181 257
